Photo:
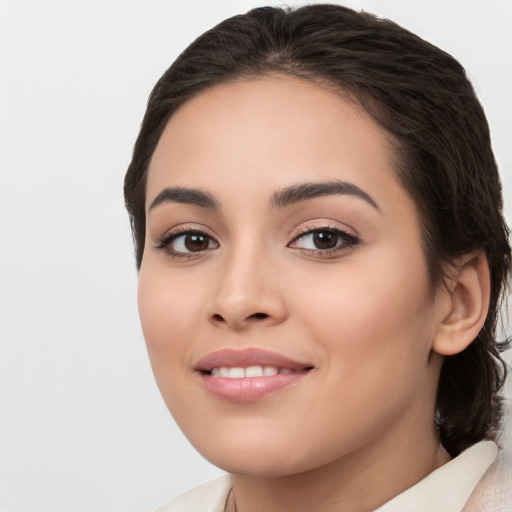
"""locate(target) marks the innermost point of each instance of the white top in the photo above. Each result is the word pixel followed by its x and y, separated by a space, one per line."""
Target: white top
pixel 458 486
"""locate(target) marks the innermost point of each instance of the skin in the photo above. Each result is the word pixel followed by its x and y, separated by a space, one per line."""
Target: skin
pixel 359 428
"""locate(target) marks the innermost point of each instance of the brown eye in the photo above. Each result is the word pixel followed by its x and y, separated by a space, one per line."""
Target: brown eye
pixel 195 242
pixel 325 239
pixel 186 243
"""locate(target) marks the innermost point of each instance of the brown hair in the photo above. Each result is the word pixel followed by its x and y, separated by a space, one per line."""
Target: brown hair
pixel 422 97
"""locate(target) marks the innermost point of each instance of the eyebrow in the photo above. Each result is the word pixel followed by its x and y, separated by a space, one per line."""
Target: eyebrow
pixel 185 196
pixel 285 197
pixel 305 191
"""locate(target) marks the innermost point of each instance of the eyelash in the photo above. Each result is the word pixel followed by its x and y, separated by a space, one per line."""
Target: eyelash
pixel 348 240
pixel 165 242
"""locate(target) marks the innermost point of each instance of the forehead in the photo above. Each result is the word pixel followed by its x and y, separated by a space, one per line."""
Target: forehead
pixel 269 132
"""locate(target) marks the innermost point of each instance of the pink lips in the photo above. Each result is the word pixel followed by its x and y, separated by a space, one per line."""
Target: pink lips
pixel 245 388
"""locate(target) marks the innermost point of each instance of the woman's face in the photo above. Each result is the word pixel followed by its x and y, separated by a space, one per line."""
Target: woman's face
pixel 283 292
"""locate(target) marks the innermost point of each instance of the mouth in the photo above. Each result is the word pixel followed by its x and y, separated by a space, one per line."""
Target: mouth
pixel 239 372
pixel 249 374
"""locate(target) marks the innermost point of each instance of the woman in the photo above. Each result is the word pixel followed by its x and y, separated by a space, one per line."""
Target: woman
pixel 318 226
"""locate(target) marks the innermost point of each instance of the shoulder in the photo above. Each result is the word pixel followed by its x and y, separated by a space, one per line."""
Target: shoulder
pixel 208 497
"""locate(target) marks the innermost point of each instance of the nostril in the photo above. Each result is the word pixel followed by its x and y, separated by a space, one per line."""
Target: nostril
pixel 259 315
pixel 237 319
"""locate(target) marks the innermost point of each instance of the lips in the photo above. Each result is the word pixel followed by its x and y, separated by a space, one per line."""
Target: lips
pixel 249 374
pixel 239 372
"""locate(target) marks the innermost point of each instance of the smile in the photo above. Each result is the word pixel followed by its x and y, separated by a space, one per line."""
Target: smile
pixel 239 372
pixel 249 374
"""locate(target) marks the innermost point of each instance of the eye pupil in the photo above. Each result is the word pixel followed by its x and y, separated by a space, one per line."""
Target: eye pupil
pixel 196 242
pixel 325 240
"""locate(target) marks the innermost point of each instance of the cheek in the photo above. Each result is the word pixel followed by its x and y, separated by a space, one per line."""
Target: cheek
pixel 374 331
pixel 165 317
pixel 380 311
pixel 164 313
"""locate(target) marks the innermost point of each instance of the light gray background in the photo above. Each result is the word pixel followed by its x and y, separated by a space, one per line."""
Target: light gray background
pixel 82 426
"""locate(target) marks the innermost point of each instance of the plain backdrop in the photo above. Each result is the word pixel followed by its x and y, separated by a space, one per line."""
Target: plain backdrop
pixel 82 425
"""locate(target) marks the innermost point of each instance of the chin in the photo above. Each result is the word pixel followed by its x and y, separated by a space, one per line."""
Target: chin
pixel 260 465
pixel 252 452
pixel 269 453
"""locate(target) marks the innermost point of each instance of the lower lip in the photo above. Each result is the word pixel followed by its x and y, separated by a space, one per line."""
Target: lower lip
pixel 248 389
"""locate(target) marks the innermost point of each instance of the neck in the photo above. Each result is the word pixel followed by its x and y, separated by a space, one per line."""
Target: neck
pixel 359 482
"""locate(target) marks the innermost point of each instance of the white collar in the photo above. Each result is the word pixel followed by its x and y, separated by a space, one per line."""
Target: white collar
pixel 448 488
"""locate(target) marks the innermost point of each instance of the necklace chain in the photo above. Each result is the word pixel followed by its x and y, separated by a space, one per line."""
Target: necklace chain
pixel 231 495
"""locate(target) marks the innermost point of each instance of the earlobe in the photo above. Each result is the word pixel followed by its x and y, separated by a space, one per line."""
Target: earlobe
pixel 466 300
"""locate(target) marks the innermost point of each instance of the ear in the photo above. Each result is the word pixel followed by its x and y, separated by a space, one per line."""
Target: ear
pixel 464 304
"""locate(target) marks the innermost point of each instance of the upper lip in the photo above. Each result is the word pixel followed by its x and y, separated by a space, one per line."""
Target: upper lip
pixel 232 358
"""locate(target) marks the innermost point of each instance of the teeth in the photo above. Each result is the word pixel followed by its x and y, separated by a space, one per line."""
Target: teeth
pixel 236 373
pixel 251 371
pixel 254 371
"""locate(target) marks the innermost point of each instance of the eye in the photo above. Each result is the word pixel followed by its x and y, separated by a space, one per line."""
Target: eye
pixel 324 240
pixel 186 243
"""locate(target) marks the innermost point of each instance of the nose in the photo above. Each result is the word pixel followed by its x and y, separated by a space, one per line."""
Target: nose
pixel 247 293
